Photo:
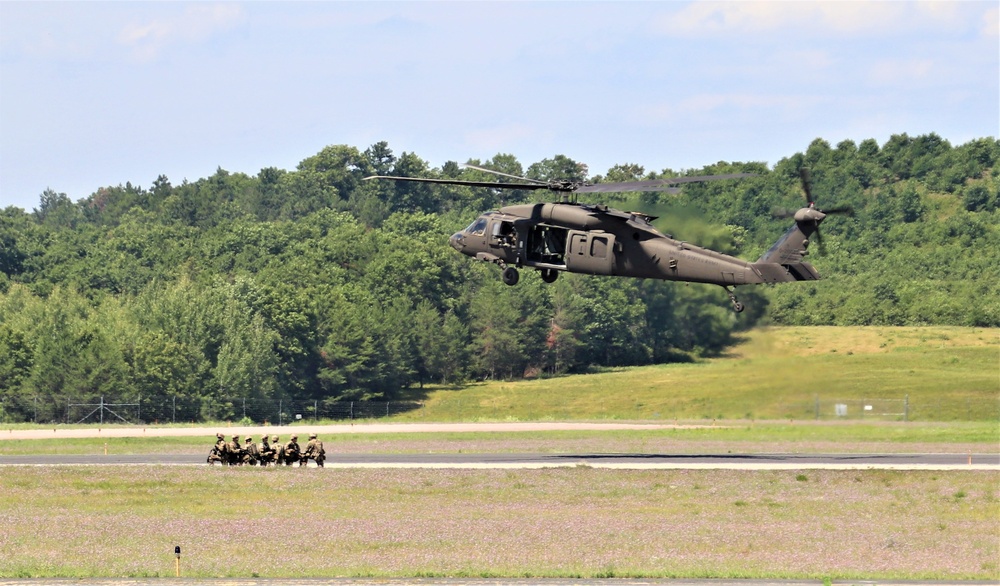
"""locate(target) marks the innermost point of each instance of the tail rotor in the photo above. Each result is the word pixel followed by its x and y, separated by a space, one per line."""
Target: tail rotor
pixel 809 218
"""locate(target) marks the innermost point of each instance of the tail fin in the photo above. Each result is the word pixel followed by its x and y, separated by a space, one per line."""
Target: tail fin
pixel 792 245
pixel 783 261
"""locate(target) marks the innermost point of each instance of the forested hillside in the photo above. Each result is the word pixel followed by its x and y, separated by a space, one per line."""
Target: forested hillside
pixel 315 285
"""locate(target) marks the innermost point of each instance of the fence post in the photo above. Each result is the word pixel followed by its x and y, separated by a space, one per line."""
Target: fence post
pixel 906 408
pixel 817 407
pixel 315 410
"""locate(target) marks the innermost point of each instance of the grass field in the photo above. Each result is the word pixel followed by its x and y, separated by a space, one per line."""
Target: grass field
pixel 929 373
pixel 119 521
pixel 733 437
pixel 569 522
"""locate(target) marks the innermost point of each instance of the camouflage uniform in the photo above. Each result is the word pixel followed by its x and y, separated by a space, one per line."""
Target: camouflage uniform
pixel 279 451
pixel 314 450
pixel 266 451
pixel 251 455
pixel 218 453
pixel 292 453
pixel 235 452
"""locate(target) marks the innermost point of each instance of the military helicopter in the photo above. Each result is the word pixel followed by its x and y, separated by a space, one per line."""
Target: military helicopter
pixel 595 239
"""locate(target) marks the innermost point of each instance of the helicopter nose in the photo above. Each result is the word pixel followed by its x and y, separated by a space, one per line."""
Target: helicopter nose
pixel 456 241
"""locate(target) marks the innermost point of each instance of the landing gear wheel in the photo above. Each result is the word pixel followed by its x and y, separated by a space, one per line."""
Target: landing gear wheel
pixel 737 306
pixel 550 275
pixel 510 276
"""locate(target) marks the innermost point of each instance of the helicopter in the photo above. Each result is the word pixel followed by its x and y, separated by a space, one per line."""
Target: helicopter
pixel 594 239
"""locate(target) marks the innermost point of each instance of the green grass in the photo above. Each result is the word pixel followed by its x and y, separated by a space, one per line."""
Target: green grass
pixel 930 373
pixel 809 436
pixel 760 397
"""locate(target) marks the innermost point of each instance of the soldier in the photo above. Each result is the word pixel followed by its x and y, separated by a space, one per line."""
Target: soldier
pixel 218 453
pixel 251 454
pixel 292 452
pixel 235 452
pixel 266 451
pixel 314 450
pixel 279 451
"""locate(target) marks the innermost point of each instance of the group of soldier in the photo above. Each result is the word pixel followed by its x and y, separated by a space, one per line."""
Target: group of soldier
pixel 272 452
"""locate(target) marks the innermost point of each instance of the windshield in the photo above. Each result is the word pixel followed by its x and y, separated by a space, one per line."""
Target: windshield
pixel 478 227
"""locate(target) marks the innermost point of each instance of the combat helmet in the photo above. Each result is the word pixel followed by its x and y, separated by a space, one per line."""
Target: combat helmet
pixel 312 436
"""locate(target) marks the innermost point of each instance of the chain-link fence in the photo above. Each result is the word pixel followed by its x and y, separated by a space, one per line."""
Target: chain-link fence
pixel 896 409
pixel 154 410
pixel 162 409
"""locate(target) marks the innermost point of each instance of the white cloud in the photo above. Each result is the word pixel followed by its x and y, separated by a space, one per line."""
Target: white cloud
pixel 838 18
pixel 195 24
pixel 499 138
pixel 902 72
pixel 722 107
pixel 991 23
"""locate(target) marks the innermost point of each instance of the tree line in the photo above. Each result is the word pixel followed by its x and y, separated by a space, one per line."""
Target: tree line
pixel 316 285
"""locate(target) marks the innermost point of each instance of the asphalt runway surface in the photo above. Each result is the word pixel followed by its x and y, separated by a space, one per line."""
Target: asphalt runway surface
pixel 538 461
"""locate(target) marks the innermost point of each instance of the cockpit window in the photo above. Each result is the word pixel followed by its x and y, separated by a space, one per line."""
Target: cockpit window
pixel 477 228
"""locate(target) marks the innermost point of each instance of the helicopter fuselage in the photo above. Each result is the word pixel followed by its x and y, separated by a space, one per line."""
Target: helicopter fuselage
pixel 597 240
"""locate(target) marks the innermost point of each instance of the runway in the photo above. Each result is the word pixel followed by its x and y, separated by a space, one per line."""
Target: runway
pixel 541 461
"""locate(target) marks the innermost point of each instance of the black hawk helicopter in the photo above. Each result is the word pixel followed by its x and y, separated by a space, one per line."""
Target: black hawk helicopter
pixel 595 239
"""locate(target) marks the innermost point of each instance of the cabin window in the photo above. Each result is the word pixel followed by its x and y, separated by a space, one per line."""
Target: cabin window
pixel 599 247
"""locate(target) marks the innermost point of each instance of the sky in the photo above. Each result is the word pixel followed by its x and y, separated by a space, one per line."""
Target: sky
pixel 96 94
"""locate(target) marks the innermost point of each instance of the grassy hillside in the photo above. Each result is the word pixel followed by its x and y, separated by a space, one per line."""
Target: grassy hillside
pixel 917 373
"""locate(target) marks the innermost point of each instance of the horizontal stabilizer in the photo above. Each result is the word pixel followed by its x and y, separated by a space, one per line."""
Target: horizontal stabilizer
pixel 772 272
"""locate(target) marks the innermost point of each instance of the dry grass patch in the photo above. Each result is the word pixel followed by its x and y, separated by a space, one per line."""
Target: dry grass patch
pixel 118 521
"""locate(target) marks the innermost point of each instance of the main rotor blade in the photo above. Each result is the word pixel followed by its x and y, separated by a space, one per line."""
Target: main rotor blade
pixel 653 185
pixel 485 170
pixel 626 186
pixel 463 182
pixel 806 184
pixel 656 184
pixel 846 210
